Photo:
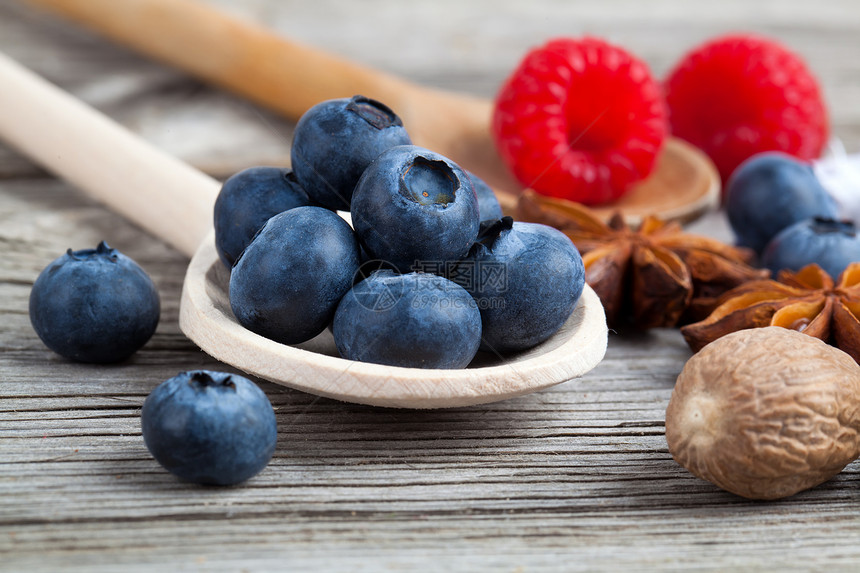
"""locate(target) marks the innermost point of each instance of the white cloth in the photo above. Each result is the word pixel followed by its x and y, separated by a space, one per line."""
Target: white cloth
pixel 839 174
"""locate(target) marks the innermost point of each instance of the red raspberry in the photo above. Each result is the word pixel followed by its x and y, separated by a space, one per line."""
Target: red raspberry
pixel 580 119
pixel 739 95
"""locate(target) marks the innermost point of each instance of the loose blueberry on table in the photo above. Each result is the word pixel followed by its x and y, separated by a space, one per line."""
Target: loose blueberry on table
pixel 94 305
pixel 415 320
pixel 209 427
pixel 289 280
pixel 246 201
pixel 413 206
pixel 336 140
pixel 526 279
pixel 772 191
pixel 831 244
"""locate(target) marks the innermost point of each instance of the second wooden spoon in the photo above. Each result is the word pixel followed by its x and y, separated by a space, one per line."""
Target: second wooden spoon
pixel 289 78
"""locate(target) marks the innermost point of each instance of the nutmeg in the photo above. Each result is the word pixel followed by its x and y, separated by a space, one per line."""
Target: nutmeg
pixel 766 413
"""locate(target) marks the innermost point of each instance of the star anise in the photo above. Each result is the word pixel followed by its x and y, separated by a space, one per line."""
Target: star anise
pixel 806 300
pixel 653 275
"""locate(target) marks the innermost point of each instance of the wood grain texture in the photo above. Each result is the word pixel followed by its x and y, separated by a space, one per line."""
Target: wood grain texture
pixel 574 478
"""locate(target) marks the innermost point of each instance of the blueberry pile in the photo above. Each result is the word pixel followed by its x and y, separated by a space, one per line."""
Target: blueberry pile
pixel 777 207
pixel 429 272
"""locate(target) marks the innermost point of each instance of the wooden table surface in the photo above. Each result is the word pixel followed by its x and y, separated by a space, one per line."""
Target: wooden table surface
pixel 577 477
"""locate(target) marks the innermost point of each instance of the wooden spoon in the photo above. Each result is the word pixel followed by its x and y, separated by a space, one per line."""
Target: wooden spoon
pixel 174 201
pixel 290 78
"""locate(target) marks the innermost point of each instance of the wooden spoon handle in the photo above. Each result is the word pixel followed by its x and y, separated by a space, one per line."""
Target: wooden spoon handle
pixel 157 191
pixel 240 56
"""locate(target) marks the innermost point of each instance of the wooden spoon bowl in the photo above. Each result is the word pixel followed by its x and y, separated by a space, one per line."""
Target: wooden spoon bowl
pixel 315 366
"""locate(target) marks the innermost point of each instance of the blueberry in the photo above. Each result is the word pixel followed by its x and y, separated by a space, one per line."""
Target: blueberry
pixel 209 427
pixel 246 201
pixel 94 305
pixel 336 140
pixel 414 320
pixel 488 203
pixel 413 206
pixel 287 283
pixel 526 279
pixel 772 191
pixel 832 244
